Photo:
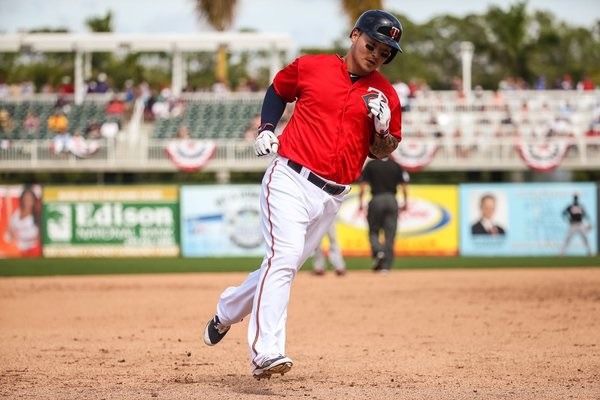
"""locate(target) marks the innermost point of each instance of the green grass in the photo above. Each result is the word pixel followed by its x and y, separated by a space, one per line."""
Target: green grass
pixel 95 266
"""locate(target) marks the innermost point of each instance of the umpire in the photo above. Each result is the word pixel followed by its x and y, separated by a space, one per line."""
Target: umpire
pixel 384 176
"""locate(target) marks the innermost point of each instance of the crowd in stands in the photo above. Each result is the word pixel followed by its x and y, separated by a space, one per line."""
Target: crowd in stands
pixel 435 114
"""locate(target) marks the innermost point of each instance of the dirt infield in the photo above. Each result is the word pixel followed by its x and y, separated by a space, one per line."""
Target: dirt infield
pixel 456 334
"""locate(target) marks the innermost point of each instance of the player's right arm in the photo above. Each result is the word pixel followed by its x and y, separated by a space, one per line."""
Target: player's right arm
pixel 272 109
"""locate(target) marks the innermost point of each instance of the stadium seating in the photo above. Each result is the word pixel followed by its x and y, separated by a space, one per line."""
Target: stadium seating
pixel 210 118
pixel 79 116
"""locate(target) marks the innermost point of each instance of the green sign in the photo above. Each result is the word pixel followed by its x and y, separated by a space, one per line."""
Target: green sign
pixel 111 228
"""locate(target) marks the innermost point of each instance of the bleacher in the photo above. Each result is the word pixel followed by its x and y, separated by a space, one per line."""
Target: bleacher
pixel 526 114
pixel 79 115
pixel 211 117
pixel 470 134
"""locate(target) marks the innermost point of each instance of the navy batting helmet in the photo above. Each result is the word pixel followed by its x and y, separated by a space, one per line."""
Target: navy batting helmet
pixel 383 27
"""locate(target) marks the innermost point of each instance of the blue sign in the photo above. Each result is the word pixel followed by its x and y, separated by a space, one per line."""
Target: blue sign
pixel 528 219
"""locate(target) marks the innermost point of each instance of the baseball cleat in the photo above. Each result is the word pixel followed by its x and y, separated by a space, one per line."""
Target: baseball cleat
pixel 340 272
pixel 215 331
pixel 277 365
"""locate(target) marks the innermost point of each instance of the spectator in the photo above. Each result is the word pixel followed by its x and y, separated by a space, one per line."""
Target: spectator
pixel 61 141
pixel 403 91
pixel 31 124
pixel 4 89
pixel 6 124
pixel 567 82
pixel 183 132
pixel 102 85
pixel 252 128
pixel 66 87
pixel 92 130
pixel 540 83
pixel 586 84
pixel 176 108
pixel 221 86
pixel 58 121
pixel 115 107
pixel 110 128
pixel 63 103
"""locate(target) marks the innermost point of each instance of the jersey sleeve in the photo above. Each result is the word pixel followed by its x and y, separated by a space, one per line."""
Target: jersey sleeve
pixel 286 82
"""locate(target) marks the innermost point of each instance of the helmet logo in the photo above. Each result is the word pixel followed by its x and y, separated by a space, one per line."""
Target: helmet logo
pixel 394 33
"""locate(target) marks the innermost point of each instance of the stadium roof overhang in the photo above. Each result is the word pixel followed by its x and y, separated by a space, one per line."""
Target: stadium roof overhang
pixel 108 42
pixel 176 44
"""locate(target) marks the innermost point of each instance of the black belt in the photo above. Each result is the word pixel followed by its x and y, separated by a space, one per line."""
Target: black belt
pixel 330 188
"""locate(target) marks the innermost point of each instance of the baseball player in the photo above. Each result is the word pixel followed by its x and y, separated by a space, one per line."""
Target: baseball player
pixel 575 214
pixel 345 110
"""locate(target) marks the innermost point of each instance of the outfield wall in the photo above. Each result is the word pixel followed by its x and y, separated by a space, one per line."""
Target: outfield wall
pixel 224 221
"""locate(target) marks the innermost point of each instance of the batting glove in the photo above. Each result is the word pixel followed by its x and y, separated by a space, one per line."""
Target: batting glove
pixel 381 114
pixel 266 143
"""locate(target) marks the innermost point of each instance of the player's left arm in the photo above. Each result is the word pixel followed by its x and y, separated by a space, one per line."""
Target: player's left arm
pixel 383 145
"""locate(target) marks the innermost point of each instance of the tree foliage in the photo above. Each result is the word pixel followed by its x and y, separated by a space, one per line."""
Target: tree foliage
pixel 507 41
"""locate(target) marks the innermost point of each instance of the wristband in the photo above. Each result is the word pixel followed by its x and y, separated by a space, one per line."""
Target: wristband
pixel 266 127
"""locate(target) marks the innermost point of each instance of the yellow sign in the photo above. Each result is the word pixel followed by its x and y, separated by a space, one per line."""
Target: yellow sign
pixel 142 193
pixel 428 227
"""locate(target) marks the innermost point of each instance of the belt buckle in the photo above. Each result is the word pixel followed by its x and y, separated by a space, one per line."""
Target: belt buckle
pixel 333 190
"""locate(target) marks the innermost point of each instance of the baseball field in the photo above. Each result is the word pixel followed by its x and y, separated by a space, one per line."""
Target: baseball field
pixel 475 332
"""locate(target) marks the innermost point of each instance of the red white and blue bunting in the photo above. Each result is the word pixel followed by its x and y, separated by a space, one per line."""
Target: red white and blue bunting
pixel 190 155
pixel 543 156
pixel 414 154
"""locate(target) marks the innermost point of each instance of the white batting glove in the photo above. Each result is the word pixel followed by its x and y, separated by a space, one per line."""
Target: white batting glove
pixel 266 143
pixel 381 114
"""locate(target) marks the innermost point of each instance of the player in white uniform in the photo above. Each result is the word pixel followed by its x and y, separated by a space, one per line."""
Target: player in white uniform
pixel 345 110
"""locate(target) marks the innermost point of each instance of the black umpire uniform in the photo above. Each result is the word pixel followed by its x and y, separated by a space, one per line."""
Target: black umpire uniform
pixel 383 176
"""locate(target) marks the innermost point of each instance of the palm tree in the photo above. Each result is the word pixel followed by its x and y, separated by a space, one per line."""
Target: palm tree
pixel 354 8
pixel 512 41
pixel 219 14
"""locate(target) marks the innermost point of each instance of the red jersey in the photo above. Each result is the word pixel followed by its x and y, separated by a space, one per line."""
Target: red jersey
pixel 331 128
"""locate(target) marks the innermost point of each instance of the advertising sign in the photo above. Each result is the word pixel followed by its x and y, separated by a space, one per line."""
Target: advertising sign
pixel 115 221
pixel 428 227
pixel 528 219
pixel 221 220
pixel 20 221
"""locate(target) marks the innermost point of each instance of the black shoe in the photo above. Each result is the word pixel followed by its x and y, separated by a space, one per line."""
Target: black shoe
pixel 378 261
pixel 215 331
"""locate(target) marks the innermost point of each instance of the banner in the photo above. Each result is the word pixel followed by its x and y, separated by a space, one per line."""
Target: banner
pixel 190 155
pixel 222 221
pixel 527 219
pixel 428 227
pixel 112 221
pixel 544 156
pixel 20 221
pixel 414 154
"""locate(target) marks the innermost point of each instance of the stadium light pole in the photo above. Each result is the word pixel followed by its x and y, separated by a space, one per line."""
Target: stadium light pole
pixel 466 53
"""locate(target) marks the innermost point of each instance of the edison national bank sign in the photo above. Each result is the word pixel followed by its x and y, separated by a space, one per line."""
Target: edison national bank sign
pixel 112 221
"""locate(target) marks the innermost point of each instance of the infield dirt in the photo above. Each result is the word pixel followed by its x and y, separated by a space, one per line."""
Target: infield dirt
pixel 434 334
